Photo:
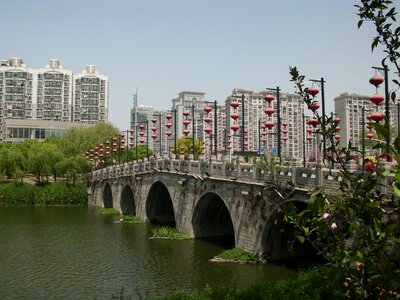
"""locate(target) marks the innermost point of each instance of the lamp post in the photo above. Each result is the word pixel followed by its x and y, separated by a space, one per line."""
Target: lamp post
pixel 243 129
pixel 278 111
pixel 321 82
pixel 385 71
pixel 207 110
pixel 304 143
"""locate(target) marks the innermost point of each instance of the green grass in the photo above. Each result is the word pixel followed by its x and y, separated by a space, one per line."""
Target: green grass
pixel 108 212
pixel 165 232
pixel 132 219
pixel 240 255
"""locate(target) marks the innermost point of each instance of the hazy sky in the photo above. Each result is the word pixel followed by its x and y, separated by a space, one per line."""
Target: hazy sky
pixel 164 47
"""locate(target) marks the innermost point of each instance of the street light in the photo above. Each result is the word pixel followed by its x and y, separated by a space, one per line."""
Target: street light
pixel 313 91
pixel 208 109
pixel 236 127
pixel 278 111
pixel 376 81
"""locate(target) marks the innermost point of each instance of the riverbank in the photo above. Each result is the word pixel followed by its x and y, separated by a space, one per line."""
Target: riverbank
pixel 56 193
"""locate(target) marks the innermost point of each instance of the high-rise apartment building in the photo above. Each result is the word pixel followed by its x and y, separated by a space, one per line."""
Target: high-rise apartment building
pixel 349 107
pixel 90 103
pixel 291 112
pixel 17 91
pixel 51 94
pixel 54 93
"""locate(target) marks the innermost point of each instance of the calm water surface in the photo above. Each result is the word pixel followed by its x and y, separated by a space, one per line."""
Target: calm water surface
pixel 73 253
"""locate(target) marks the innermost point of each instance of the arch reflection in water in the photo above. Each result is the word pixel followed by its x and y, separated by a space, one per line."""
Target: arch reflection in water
pixel 212 221
pixel 159 208
pixel 107 196
pixel 128 206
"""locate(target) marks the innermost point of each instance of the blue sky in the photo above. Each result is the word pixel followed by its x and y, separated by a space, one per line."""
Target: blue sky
pixel 163 47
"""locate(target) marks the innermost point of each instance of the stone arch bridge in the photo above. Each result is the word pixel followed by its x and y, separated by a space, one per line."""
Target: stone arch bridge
pixel 239 202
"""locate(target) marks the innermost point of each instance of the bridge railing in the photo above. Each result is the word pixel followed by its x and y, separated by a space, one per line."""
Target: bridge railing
pixel 307 178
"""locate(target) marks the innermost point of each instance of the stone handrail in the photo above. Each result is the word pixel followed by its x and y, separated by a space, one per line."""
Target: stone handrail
pixel 301 177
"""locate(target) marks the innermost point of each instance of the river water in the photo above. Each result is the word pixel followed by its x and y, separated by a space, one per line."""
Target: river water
pixel 74 253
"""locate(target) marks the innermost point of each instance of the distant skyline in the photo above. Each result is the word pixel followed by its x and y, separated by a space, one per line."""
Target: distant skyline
pixel 164 47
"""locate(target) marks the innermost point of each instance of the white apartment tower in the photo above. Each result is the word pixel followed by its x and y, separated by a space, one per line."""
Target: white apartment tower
pixel 349 107
pixel 50 94
pixel 54 93
pixel 291 112
pixel 90 103
pixel 17 91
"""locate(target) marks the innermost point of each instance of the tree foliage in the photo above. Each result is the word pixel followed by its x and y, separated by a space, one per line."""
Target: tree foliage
pixel 185 146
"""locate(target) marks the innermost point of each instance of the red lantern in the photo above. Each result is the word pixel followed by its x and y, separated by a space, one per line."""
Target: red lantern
pixel 284 131
pixel 235 116
pixel 313 122
pixel 207 109
pixel 186 132
pixel 235 104
pixel 337 128
pixel 141 133
pixel 269 124
pixel 154 129
pixel 168 133
pixel 336 120
pixel 154 120
pixel 269 98
pixel 235 127
pixel 186 122
pixel 208 120
pixel 314 106
pixel 285 138
pixel 313 91
pixel 269 111
pixel 376 99
pixel 141 141
pixel 285 124
pixel 264 140
pixel 141 126
pixel 186 113
pixel 376 80
pixel 154 136
pixel 130 131
pixel 337 137
pixel 168 116
pixel 168 125
pixel 370 135
pixel 369 166
pixel 130 144
pixel 309 138
pixel 377 116
pixel 208 130
pixel 369 126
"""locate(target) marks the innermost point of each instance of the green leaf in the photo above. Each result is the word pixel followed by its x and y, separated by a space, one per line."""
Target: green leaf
pixel 300 237
pixel 360 22
pixel 396 188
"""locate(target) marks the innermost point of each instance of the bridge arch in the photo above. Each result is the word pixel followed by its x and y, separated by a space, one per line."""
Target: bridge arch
pixel 127 204
pixel 277 235
pixel 159 207
pixel 107 196
pixel 211 219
